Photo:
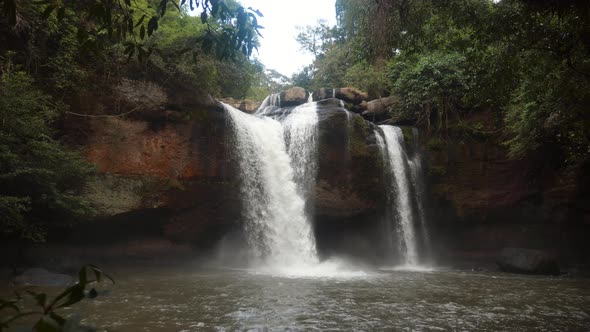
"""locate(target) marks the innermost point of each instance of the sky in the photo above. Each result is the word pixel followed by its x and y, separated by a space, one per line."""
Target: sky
pixel 278 49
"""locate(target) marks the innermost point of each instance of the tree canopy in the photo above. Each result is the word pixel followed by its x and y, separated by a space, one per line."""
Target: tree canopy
pixel 528 61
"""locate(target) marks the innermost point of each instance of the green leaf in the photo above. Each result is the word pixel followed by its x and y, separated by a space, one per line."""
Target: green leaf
pixel 129 49
pixel 131 53
pixel 75 295
pixel 48 10
pixel 57 318
pixel 130 25
pixel 81 35
pixel 256 11
pixel 152 25
pixel 41 298
pixel 61 13
pixel 82 276
pixel 163 7
pixel 19 316
pixel 47 324
pixel 140 20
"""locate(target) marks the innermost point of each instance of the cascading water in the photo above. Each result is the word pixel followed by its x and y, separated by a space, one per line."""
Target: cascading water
pixel 301 135
pixel 276 225
pixel 278 160
pixel 270 103
pixel 416 172
pixel 390 141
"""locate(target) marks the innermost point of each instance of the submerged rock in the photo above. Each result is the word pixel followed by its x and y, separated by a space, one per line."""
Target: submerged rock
pixel 42 277
pixel 528 261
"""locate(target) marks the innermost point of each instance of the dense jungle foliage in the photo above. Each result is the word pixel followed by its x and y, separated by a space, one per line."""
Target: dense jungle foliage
pixel 527 61
pixel 52 51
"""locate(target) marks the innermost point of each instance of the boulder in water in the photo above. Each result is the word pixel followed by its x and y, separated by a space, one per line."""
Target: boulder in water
pixel 294 97
pixel 528 261
pixel 42 277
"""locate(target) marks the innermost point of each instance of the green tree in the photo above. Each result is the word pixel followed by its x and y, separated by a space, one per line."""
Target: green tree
pixel 40 180
pixel 114 21
pixel 433 83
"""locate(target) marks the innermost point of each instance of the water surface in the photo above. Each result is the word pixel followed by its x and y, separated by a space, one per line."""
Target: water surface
pixel 230 300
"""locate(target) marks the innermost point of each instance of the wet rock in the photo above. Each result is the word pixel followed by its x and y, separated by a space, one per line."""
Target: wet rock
pixel 360 108
pixel 42 277
pixel 377 109
pixel 528 261
pixel 329 103
pixel 349 95
pixel 294 97
pixel 246 105
pixel 350 170
pixel 323 93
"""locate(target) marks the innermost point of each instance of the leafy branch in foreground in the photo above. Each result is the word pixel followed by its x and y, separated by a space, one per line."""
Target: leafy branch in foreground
pixel 50 320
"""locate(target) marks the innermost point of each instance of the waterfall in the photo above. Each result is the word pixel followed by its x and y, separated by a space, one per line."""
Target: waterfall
pixel 277 228
pixel 271 102
pixel 301 136
pixel 350 131
pixel 390 141
pixel 416 172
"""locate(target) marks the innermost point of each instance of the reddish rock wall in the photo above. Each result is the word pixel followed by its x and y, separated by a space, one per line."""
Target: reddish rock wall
pixel 482 200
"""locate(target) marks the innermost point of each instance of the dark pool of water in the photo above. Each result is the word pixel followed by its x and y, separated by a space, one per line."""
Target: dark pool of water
pixel 231 300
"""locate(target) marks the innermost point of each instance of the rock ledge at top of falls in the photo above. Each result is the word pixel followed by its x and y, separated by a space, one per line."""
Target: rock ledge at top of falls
pixel 245 105
pixel 377 109
pixel 348 94
pixel 294 97
pixel 527 261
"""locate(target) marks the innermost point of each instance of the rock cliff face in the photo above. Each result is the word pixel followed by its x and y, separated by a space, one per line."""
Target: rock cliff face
pixel 170 175
pixel 165 176
pixel 164 172
pixel 349 195
pixel 482 201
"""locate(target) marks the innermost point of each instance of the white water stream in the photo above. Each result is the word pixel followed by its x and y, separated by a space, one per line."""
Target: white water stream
pixel 390 140
pixel 278 230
